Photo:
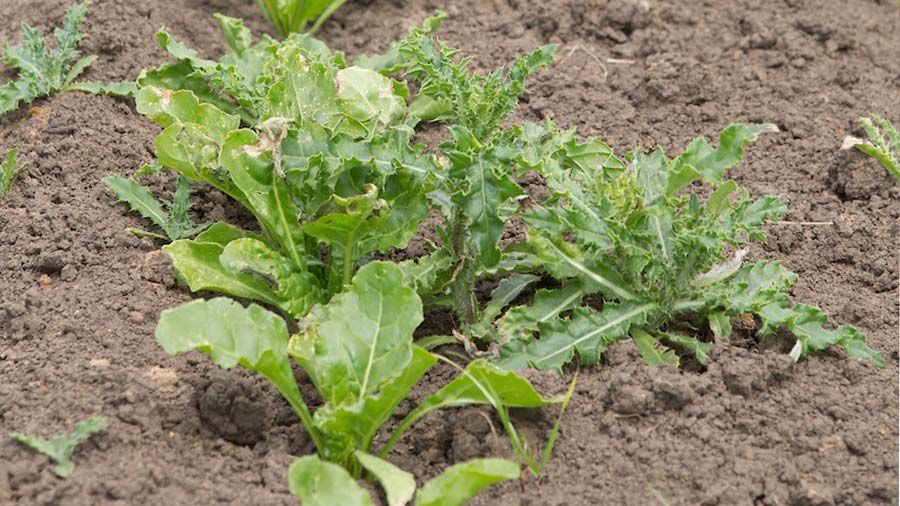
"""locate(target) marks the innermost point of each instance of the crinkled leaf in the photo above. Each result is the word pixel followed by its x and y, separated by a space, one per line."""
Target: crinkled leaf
pixel 297 292
pixel 248 160
pixel 367 99
pixel 197 264
pixel 588 332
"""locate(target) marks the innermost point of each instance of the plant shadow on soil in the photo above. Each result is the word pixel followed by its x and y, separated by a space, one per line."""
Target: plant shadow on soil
pixel 82 296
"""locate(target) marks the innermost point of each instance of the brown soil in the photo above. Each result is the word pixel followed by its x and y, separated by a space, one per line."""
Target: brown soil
pixel 81 296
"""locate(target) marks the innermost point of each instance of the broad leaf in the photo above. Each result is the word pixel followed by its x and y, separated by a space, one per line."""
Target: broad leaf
pixel 197 263
pixel 398 485
pixel 458 483
pixel 231 335
pixel 319 483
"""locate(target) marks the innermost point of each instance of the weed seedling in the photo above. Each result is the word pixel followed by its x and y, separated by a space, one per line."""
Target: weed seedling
pixel 60 448
pixel 9 171
pixel 44 71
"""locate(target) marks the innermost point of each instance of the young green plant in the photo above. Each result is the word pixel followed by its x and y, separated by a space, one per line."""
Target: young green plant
pixel 43 72
pixel 357 350
pixel 60 448
pixel 883 144
pixel 476 194
pixel 327 168
pixel 293 16
pixel 170 216
pixel 319 153
pixel 661 261
pixel 9 170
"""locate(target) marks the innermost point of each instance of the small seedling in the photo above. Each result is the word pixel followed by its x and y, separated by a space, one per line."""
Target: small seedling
pixel 44 71
pixel 60 448
pixel 171 216
pixel 885 150
pixel 9 171
pixel 293 16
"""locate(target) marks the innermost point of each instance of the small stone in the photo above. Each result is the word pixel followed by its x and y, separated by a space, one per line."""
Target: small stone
pixel 673 393
pixel 50 263
pixel 630 400
pixel 69 273
pixel 165 377
pixel 45 281
pixel 99 362
pixel 136 316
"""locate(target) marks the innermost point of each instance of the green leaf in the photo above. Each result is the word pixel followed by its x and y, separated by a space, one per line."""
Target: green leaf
pixel 319 483
pixel 358 351
pixel 168 107
pixel 139 198
pixel 567 260
pixel 807 324
pixel 176 223
pixel 399 486
pixel 480 383
pixel 296 292
pixel 60 448
pixel 359 421
pixel 234 335
pixel 9 170
pixel 519 322
pixel 712 163
pixel 222 233
pixel 197 263
pixel 720 324
pixel 699 348
pixel 367 99
pixel 588 332
pixel 484 202
pixel 507 290
pixel 237 36
pixel 42 71
pixel 248 159
pixel 362 339
pixel 458 483
pixel 648 346
pixel 886 151
pixel 119 89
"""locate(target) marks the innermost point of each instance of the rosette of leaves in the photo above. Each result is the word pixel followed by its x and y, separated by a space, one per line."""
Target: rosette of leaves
pixel 318 152
pixel 43 71
pixel 358 351
pixel 476 193
pixel 651 255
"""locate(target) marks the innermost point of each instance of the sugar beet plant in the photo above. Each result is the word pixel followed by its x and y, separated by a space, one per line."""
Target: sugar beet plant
pixel 320 154
pixel 653 254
